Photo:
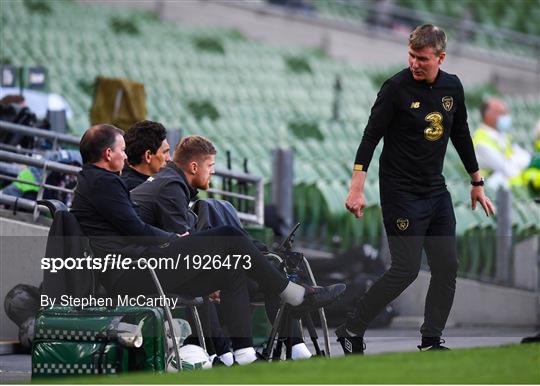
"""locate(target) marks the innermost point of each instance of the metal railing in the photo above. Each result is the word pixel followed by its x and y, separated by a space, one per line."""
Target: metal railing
pixel 55 137
pixel 255 199
pixel 17 203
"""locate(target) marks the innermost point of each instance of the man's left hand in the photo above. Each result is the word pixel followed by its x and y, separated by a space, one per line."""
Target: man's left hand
pixel 478 195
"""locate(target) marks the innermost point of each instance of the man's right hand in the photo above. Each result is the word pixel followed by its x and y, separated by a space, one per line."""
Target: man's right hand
pixel 355 202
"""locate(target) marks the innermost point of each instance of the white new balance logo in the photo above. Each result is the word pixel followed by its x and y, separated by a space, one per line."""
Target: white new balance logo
pixel 348 345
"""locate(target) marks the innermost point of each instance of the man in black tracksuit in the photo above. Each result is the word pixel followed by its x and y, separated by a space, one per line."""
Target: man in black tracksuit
pixel 417 111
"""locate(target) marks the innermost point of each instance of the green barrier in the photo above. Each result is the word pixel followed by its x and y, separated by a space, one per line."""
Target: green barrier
pixel 260 326
pixel 263 234
pixel 485 241
pixel 469 257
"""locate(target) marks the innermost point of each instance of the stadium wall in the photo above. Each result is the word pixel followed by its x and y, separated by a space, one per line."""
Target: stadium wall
pixel 21 247
pixel 475 304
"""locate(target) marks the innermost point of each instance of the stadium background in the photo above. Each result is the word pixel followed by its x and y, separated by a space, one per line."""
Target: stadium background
pixel 256 75
pixel 250 95
pixel 253 76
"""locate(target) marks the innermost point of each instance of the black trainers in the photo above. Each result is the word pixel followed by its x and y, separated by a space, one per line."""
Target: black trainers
pixel 317 297
pixel 432 344
pixel 531 339
pixel 350 344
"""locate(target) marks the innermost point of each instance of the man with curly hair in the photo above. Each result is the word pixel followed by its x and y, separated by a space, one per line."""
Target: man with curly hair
pixel 147 150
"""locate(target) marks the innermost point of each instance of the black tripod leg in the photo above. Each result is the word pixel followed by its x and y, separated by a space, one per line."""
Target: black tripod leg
pixel 288 332
pixel 313 334
pixel 277 351
pixel 322 315
pixel 282 336
pixel 267 352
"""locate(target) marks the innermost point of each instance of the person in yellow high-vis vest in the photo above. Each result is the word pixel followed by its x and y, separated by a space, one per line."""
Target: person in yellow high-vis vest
pixel 22 189
pixel 531 176
pixel 500 161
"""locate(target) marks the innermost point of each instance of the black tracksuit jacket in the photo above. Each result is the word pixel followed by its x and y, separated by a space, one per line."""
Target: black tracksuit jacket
pixel 416 120
pixel 103 207
pixel 132 178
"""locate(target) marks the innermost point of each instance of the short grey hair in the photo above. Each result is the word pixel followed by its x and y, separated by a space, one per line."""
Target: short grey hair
pixel 428 35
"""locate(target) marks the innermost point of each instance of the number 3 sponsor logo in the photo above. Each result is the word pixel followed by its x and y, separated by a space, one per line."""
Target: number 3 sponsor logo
pixel 435 129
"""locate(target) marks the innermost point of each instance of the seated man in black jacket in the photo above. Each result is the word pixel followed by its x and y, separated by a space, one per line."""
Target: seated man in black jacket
pixel 164 199
pixel 107 215
pixel 147 151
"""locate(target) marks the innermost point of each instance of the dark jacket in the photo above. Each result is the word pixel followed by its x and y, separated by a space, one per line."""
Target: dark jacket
pixel 132 178
pixel 66 239
pixel 108 217
pixel 212 213
pixel 163 200
pixel 416 120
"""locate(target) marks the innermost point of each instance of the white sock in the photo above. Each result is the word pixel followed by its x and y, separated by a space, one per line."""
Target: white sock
pixel 300 351
pixel 293 294
pixel 227 358
pixel 245 356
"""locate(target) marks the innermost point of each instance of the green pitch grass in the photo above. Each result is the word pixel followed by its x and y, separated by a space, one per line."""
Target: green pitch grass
pixel 507 364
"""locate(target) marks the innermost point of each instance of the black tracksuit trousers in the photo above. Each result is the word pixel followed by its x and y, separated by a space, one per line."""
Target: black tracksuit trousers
pixel 232 282
pixel 413 224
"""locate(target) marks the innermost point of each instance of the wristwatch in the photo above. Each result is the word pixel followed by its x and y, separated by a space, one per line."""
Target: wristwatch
pixel 478 183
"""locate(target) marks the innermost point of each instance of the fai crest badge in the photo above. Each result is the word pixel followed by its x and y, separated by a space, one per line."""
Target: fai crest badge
pixel 402 223
pixel 448 103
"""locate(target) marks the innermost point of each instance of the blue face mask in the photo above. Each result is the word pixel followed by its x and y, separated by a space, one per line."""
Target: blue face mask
pixel 504 123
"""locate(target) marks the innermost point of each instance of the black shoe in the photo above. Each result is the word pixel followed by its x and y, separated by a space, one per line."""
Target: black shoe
pixel 317 297
pixel 350 344
pixel 432 344
pixel 531 339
